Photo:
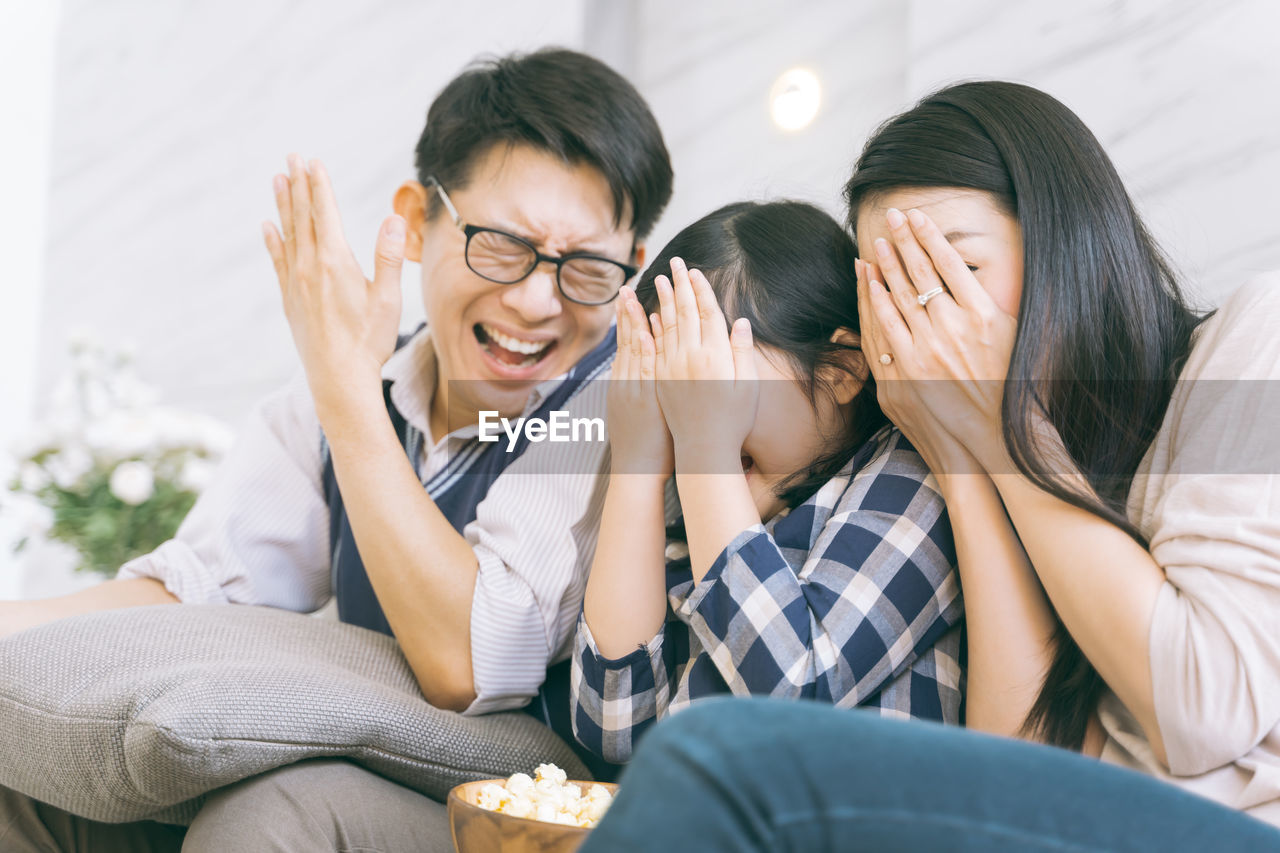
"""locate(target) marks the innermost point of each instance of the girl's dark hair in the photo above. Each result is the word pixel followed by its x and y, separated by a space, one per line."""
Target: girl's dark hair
pixel 788 268
pixel 1103 327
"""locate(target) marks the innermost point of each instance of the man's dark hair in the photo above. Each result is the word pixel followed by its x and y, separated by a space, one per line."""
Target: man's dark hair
pixel 559 101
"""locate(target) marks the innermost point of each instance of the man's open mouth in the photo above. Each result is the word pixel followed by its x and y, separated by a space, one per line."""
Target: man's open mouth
pixel 513 352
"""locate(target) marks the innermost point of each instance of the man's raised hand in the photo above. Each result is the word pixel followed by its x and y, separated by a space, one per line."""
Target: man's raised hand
pixel 344 326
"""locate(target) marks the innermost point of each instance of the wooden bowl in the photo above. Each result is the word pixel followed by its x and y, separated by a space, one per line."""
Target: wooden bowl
pixel 477 830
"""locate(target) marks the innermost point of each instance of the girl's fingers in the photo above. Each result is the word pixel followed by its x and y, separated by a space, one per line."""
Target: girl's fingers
pixel 712 328
pixel 642 347
pixel 688 324
pixel 965 289
pixel 667 309
pixel 744 356
pixel 637 334
pixel 304 234
pixel 652 350
pixel 655 323
pixel 284 206
pixel 624 333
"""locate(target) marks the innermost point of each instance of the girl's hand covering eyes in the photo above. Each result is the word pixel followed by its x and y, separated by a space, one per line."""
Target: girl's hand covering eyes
pixel 955 350
pixel 639 439
pixel 706 374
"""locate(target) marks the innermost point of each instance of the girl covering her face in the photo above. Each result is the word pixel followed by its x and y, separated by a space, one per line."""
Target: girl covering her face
pixel 812 557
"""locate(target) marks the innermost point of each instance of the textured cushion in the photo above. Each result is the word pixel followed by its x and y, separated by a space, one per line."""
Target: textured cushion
pixel 133 714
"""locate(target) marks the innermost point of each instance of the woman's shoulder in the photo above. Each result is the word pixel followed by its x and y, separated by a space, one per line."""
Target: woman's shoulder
pixel 1239 340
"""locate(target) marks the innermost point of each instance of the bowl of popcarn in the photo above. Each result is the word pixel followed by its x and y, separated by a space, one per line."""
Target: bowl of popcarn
pixel 543 813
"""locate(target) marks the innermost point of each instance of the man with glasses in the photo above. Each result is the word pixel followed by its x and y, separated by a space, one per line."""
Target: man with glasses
pixel 539 176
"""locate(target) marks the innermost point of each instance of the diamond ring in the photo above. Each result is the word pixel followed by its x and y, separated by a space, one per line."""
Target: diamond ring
pixel 924 298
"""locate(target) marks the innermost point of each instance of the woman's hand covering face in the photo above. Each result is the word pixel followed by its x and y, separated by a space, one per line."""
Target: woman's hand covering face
pixel 953 351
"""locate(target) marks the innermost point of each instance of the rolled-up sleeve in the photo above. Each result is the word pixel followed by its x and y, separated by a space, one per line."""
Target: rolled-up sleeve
pixel 258 534
pixel 534 537
pixel 616 699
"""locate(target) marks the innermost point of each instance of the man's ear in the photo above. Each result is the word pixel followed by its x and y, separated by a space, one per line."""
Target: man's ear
pixel 410 201
pixel 847 380
pixel 638 256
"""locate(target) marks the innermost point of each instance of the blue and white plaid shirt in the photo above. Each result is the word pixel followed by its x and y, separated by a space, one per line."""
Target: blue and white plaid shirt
pixel 851 598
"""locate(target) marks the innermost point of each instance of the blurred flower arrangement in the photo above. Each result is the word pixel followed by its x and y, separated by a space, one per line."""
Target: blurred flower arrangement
pixel 109 472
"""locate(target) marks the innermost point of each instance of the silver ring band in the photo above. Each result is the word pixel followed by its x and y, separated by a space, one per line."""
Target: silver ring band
pixel 924 298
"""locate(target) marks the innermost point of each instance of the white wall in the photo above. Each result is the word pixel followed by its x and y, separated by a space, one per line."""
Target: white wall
pixel 171 119
pixel 28 30
pixel 27 37
pixel 1181 93
pixel 707 69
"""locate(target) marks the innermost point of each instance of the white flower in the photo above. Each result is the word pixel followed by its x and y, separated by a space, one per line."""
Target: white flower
pixel 122 435
pixel 30 518
pixel 133 482
pixel 35 521
pixel 215 437
pixel 68 466
pixel 32 478
pixel 196 474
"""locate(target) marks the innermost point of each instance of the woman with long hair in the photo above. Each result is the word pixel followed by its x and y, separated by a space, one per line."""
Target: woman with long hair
pixel 1108 460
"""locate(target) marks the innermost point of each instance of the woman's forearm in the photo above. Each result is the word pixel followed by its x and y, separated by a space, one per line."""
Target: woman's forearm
pixel 626 598
pixel 1008 621
pixel 1103 586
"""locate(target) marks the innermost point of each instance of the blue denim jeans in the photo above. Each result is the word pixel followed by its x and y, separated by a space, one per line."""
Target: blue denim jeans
pixel 772 775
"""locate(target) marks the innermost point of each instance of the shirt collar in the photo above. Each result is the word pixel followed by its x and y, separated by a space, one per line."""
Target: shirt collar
pixel 412 373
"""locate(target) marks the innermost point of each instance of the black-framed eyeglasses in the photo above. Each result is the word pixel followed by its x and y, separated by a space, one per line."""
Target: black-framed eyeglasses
pixel 508 259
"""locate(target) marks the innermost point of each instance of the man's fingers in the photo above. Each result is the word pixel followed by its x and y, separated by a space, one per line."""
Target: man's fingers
pixel 284 206
pixel 328 224
pixel 304 234
pixel 275 247
pixel 388 254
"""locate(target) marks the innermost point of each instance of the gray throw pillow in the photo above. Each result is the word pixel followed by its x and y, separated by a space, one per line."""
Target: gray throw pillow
pixel 134 714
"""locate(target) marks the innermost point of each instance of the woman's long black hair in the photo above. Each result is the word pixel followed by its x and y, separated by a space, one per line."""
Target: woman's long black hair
pixel 788 268
pixel 1103 327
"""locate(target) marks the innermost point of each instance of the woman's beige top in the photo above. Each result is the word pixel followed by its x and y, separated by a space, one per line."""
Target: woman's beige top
pixel 1207 497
